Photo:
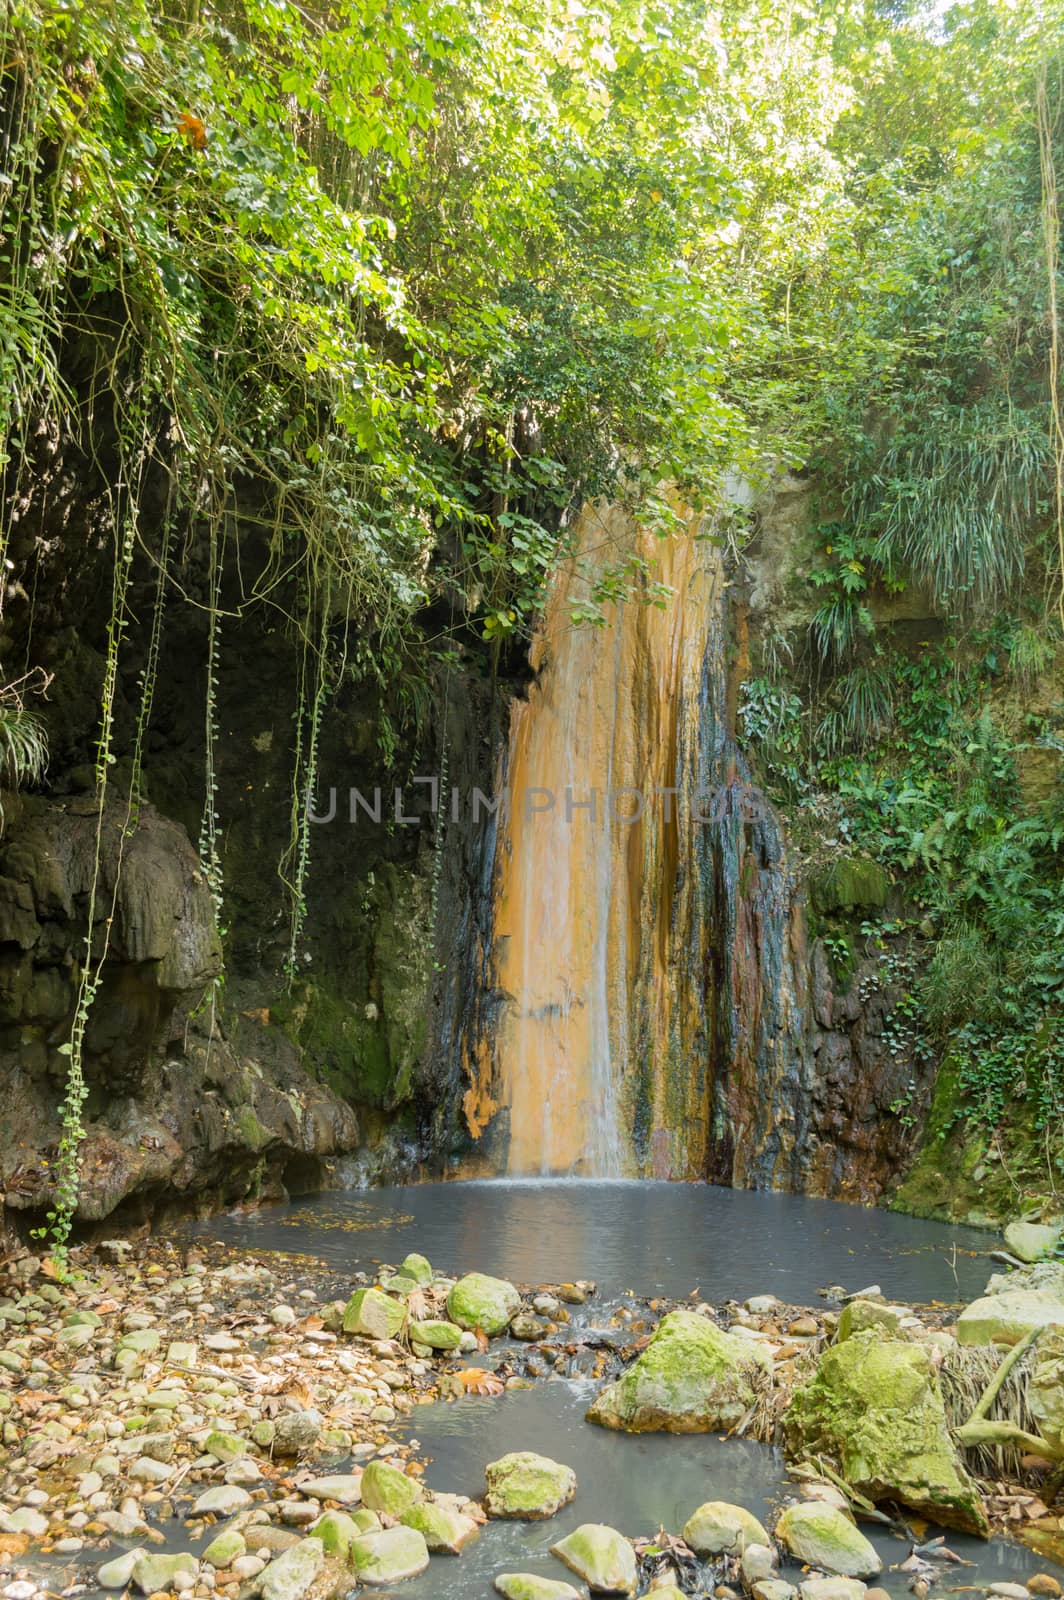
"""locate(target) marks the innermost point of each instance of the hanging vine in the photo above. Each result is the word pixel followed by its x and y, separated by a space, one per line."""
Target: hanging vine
pixel 1048 122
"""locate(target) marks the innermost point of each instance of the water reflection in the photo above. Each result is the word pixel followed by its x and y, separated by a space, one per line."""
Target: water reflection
pixel 655 1238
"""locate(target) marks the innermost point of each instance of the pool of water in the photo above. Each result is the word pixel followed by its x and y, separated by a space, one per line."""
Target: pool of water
pixel 635 1482
pixel 674 1240
pixel 652 1238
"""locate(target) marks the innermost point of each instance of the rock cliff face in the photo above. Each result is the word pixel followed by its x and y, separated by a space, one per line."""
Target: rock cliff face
pixel 762 1043
pixel 180 1106
pixel 668 1005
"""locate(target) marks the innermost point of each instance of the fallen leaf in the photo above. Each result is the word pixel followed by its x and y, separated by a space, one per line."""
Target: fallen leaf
pixel 475 1380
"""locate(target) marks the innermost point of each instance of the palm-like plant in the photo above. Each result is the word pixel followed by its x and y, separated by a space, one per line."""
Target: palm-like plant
pixel 23 742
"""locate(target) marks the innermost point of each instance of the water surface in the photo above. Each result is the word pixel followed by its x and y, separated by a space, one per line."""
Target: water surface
pixel 652 1238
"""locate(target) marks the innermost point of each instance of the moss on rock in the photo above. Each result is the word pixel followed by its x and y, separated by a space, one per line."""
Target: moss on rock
pixel 523 1484
pixel 691 1378
pixel 479 1301
pixel 875 1407
pixel 850 883
pixel 826 1537
pixel 385 1488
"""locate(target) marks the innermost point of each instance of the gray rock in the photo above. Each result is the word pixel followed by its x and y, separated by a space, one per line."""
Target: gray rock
pixel 148 1470
pixel 117 1573
pixel 1004 1318
pixel 758 1562
pixel 1031 1240
pixel 152 1571
pixel 25 1520
pixel 833 1589
pixel 222 1500
pixel 346 1487
pixel 296 1431
pixel 290 1575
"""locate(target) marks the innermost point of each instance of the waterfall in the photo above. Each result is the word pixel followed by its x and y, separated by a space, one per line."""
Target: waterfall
pixel 648 1022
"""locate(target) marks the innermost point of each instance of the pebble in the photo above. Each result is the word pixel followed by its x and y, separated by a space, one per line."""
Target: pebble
pixel 223 1500
pixel 245 1567
pixel 25 1521
pixel 299 1513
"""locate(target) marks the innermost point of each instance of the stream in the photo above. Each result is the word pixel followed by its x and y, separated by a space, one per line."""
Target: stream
pixel 648 1239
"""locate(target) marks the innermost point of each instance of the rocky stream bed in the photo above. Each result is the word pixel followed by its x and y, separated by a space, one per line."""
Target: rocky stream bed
pixel 190 1418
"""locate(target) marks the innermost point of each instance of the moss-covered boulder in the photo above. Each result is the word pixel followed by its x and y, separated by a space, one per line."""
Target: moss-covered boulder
pixel 436 1335
pixel 396 1283
pixel 718 1528
pixel 445 1531
pixel 1046 1390
pixel 374 1315
pixel 389 1556
pixel 478 1301
pixel 1004 1318
pixel 875 1407
pixel 417 1267
pixel 523 1484
pixel 895 1322
pixel 825 1537
pixel 530 1586
pixel 336 1530
pixel 604 1558
pixel 385 1488
pixel 691 1378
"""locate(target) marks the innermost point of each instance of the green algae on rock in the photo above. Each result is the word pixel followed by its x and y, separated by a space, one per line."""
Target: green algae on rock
pixel 826 1537
pixel 435 1335
pixel 388 1556
pixel 530 1586
pixel 875 1406
pixel 600 1555
pixel 691 1378
pixel 385 1488
pixel 718 1528
pixel 523 1484
pixel 444 1530
pixel 374 1315
pixel 480 1301
pixel 336 1530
